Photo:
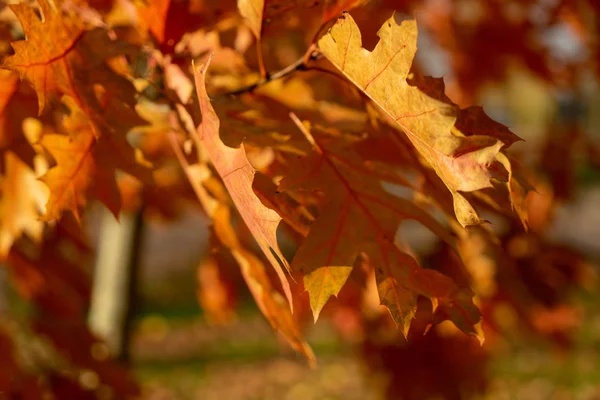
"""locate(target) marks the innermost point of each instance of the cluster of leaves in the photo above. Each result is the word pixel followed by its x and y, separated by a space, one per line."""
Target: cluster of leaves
pixel 100 100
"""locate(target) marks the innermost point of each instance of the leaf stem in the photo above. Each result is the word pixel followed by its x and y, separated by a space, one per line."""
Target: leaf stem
pixel 261 62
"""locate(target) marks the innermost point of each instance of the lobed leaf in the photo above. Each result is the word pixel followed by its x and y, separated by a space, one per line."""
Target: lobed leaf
pixel 358 216
pixel 237 174
pixel 465 160
pixel 60 56
pixel 86 161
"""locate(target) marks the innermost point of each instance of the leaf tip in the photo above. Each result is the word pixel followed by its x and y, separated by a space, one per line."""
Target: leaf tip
pixel 202 68
pixel 478 333
pixel 316 312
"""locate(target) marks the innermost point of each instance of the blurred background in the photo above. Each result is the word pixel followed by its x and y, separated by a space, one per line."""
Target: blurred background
pixel 188 328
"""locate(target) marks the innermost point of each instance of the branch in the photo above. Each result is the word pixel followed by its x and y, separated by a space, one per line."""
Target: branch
pixel 298 65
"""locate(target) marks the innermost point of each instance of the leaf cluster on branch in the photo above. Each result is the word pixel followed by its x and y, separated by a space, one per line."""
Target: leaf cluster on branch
pixel 272 114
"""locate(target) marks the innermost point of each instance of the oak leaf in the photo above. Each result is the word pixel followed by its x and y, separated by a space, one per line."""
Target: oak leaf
pixel 359 216
pixel 271 303
pixel 237 174
pixel 253 12
pixel 86 161
pixel 60 57
pixel 215 293
pixel 465 161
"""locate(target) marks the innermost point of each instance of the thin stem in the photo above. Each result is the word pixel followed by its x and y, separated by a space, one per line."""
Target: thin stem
pixel 261 62
pixel 309 137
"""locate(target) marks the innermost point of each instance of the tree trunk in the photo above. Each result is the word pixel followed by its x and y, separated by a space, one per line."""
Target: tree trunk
pixel 115 277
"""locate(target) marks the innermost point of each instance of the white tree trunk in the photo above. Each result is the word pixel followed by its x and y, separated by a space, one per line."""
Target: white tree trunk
pixel 114 280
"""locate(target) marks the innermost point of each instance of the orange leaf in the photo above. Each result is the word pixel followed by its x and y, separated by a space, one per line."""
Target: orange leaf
pixel 269 301
pixel 15 107
pixel 60 57
pixel 153 15
pixel 237 174
pixel 214 293
pixel 23 198
pixel 465 161
pixel 86 165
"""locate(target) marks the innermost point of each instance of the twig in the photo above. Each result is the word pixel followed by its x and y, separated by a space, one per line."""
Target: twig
pixel 298 65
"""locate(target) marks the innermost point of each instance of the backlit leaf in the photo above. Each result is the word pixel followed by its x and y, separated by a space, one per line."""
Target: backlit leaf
pixel 359 216
pixel 59 56
pixel 237 173
pixel 465 161
pixel 86 165
pixel 252 11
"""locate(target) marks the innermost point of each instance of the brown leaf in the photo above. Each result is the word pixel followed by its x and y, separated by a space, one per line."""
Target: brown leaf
pixel 358 216
pixel 214 292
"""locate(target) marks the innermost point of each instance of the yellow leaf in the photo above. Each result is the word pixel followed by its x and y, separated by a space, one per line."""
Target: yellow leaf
pixel 252 11
pixel 465 160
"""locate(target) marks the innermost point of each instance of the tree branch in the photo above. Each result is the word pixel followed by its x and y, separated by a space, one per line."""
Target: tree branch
pixel 298 65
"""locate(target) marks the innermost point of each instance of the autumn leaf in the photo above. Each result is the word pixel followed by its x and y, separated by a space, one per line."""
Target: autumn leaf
pixel 373 154
pixel 59 56
pixel 271 303
pixel 214 293
pixel 16 105
pixel 518 188
pixel 86 165
pixel 237 174
pixel 21 204
pixel 465 161
pixel 252 11
pixel 153 17
pixel 358 216
pixel 400 280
